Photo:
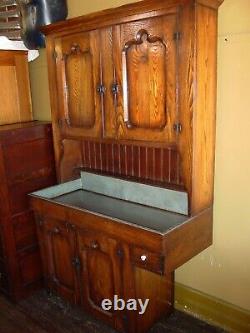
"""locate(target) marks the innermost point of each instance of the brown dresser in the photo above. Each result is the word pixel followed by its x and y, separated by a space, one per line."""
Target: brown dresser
pixel 26 164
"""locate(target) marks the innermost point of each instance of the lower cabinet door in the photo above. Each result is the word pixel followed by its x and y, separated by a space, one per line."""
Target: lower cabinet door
pixel 59 252
pixel 101 276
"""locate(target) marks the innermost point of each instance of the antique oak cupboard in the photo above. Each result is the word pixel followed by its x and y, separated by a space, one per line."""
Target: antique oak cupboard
pixel 133 93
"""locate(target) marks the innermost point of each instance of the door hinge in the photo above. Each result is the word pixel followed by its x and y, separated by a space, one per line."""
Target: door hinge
pixel 178 127
pixel 177 35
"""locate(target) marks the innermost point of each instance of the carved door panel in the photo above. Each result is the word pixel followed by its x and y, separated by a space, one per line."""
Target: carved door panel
pixel 145 58
pixel 59 248
pixel 101 275
pixel 79 84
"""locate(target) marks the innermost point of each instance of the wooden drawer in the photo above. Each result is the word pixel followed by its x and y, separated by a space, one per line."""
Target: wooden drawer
pixel 148 260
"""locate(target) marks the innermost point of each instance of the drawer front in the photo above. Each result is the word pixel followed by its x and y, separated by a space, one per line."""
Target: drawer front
pixel 148 260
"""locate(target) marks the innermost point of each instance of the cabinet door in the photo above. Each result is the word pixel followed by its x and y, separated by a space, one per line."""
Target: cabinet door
pixel 101 275
pixel 79 84
pixel 145 58
pixel 59 256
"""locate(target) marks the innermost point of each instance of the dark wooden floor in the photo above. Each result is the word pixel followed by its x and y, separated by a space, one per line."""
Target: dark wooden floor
pixel 43 314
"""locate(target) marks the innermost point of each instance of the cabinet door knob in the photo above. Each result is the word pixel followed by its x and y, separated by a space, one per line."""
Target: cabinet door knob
pixel 56 230
pixel 94 245
pixel 143 257
pixel 115 88
pixel 100 89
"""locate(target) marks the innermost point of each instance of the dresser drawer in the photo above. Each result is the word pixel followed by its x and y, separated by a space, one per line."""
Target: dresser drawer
pixel 148 260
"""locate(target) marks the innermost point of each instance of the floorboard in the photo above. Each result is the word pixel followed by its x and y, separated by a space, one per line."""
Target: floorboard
pixel 49 314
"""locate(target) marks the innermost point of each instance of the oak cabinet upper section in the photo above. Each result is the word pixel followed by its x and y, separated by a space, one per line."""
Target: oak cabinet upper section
pixel 133 93
pixel 119 82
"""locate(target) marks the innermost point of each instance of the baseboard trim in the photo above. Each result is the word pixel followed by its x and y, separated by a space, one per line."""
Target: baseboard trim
pixel 212 310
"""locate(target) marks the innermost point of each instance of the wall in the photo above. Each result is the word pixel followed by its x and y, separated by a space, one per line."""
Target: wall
pixel 223 270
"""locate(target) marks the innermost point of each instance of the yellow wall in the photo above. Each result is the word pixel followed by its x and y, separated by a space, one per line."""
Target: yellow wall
pixel 223 270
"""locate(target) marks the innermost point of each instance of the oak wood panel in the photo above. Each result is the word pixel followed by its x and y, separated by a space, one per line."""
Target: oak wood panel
pixel 197 102
pixel 15 91
pixel 78 66
pixel 198 235
pixel 101 274
pixel 148 285
pixel 60 246
pixel 205 108
pixel 145 51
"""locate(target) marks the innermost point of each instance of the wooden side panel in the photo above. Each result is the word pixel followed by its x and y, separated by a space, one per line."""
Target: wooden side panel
pixel 23 85
pixel 184 242
pixel 205 109
pixel 186 95
pixel 198 103
pixel 15 89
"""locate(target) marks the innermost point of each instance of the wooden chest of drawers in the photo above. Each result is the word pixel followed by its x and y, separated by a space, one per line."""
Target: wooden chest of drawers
pixel 26 164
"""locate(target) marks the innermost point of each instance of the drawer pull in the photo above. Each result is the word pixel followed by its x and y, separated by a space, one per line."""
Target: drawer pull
pixel 143 257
